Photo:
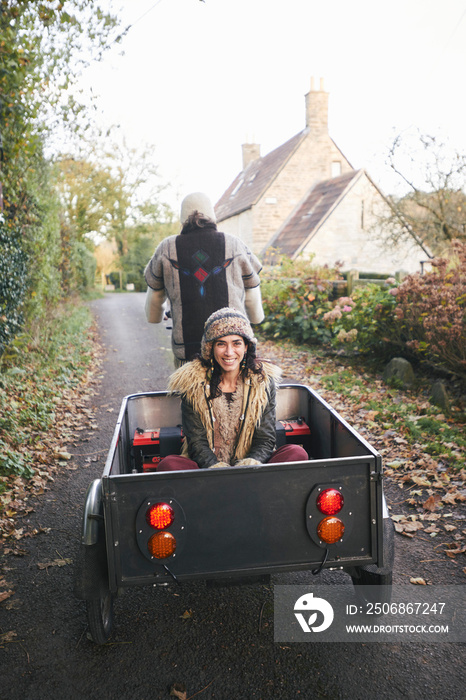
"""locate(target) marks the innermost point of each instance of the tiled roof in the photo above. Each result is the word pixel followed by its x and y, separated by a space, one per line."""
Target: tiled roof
pixel 252 182
pixel 311 212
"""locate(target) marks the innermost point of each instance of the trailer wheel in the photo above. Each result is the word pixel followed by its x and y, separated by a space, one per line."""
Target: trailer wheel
pixel 373 584
pixel 372 587
pixel 100 617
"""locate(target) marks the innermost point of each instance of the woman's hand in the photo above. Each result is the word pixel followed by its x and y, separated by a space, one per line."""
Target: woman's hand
pixel 247 462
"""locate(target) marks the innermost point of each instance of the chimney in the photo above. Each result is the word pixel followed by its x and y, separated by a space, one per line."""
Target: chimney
pixel 251 151
pixel 317 109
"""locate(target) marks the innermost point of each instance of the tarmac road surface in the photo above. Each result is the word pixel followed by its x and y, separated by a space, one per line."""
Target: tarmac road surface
pixel 217 643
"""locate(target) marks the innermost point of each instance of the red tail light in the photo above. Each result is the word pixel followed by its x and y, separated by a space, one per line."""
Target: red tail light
pixel 330 501
pixel 160 516
pixel 160 529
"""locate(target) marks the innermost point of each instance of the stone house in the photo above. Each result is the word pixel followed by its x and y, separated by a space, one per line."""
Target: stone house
pixel 305 197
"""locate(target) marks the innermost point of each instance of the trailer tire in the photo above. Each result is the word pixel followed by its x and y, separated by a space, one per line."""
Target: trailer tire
pixel 371 583
pixel 100 618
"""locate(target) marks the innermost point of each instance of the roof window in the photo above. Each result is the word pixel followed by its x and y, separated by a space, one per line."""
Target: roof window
pixel 238 187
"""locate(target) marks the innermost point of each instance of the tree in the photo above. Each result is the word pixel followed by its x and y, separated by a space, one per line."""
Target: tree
pixel 433 206
pixel 114 195
pixel 39 43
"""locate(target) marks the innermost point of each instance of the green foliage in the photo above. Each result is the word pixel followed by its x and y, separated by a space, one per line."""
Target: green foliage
pixel 84 265
pixel 424 317
pixel 13 276
pixel 14 463
pixel 140 250
pixel 296 298
pixel 40 45
pixel 94 200
pixel 34 373
pixel 365 321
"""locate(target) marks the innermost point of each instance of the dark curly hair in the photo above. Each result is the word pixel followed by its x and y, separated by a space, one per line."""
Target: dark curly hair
pixel 252 365
pixel 196 221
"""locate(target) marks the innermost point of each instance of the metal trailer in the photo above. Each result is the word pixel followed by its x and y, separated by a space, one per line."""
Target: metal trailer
pixel 234 523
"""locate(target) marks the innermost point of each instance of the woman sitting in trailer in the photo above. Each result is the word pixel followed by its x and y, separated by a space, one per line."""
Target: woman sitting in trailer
pixel 228 401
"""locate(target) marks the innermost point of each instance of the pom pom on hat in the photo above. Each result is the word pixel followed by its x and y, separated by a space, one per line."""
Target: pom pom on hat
pixel 225 322
pixel 197 201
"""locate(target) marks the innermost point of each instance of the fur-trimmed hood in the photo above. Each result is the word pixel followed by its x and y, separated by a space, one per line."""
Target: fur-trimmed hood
pixel 191 383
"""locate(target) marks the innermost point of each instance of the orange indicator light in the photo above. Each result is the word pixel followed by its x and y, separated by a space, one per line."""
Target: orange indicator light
pixel 330 530
pixel 162 545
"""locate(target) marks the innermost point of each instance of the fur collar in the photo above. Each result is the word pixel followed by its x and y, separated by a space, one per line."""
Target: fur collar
pixel 190 382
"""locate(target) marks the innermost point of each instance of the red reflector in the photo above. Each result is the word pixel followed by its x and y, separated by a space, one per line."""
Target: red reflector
pixel 160 516
pixel 330 530
pixel 161 545
pixel 330 501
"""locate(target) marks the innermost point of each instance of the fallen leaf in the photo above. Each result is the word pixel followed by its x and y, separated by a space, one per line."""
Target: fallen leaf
pixel 178 690
pixel 431 503
pixel 5 594
pixel 450 497
pixel 187 615
pixel 432 529
pixel 418 581
pixel 55 562
pixel 8 636
pixel 453 552
pixel 63 455
pixel 370 415
pixel 408 526
pixel 420 480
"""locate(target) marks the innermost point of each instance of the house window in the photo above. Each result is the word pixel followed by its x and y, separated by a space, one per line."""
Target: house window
pixel 270 200
pixel 362 214
pixel 336 168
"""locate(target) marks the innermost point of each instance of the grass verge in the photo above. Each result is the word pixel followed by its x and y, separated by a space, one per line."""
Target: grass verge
pixel 36 373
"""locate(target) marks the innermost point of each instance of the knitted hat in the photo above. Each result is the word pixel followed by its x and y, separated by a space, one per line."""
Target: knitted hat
pixel 225 322
pixel 197 201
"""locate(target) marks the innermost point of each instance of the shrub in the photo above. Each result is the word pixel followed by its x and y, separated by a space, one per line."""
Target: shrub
pixel 296 297
pixel 422 318
pixel 13 273
pixel 431 312
pixel 366 320
pixel 85 267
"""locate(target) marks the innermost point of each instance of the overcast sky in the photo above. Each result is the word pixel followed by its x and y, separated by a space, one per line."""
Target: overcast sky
pixel 198 79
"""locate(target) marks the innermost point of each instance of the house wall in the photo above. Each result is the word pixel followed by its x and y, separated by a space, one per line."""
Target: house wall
pixel 310 163
pixel 239 226
pixel 351 235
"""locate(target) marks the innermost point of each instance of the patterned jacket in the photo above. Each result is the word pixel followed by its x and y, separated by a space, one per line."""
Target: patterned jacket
pixel 256 437
pixel 200 272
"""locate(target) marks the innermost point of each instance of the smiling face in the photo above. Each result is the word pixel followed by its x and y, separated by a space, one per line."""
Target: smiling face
pixel 229 351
